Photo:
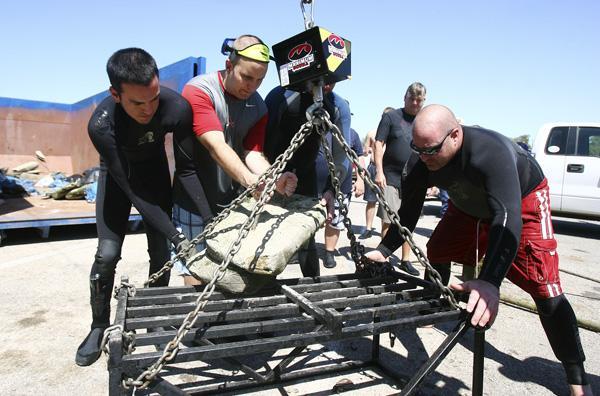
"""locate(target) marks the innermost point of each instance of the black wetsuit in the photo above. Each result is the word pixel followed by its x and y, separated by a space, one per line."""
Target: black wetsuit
pixel 488 179
pixel 133 170
pixel 287 113
pixel 188 191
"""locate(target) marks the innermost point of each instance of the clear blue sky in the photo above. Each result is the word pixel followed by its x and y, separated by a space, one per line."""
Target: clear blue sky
pixel 506 65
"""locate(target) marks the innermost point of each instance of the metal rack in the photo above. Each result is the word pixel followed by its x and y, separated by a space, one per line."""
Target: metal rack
pixel 288 316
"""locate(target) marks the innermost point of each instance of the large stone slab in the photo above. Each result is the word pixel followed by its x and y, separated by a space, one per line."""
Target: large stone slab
pixel 235 280
pixel 282 227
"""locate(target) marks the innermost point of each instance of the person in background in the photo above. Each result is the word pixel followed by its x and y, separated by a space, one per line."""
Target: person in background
pixel 394 131
pixel 369 195
pixel 333 228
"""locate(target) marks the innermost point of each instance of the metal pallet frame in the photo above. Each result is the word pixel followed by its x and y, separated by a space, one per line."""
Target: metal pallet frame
pixel 294 313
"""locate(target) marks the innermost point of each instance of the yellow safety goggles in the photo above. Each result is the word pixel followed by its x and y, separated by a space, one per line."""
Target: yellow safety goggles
pixel 257 51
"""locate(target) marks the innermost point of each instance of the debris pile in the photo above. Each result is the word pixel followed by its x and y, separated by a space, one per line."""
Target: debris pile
pixel 28 179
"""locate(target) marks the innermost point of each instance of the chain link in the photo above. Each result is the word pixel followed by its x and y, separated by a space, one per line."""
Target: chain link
pixel 356 249
pixel 106 336
pixel 434 276
pixel 128 338
pixel 131 290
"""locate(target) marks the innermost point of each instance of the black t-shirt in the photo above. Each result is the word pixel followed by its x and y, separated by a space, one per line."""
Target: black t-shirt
pixel 395 131
pixel 134 154
pixel 487 179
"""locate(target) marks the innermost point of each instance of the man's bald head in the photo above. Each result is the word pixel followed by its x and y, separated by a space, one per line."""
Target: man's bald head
pixel 434 121
pixel 244 41
pixel 240 43
pixel 436 129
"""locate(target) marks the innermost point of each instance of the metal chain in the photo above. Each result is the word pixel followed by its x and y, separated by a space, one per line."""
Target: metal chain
pixel 269 179
pixel 406 234
pixel 106 335
pixel 208 229
pixel 128 339
pixel 131 290
pixel 356 249
pixel 202 236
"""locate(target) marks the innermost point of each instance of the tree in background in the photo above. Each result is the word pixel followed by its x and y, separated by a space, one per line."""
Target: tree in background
pixel 522 139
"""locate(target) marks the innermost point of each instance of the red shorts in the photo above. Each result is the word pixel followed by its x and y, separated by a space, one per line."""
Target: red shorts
pixel 535 268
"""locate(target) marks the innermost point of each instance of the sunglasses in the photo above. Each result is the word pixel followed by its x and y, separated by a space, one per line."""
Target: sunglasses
pixel 257 51
pixel 433 150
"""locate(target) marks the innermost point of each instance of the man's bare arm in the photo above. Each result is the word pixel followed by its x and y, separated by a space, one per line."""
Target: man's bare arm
pixel 256 162
pixel 378 154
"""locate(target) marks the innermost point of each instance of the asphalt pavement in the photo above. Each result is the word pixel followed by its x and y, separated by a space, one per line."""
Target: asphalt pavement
pixel 44 315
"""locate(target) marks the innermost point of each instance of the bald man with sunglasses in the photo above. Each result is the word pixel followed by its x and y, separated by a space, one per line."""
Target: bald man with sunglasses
pixel 499 206
pixel 229 121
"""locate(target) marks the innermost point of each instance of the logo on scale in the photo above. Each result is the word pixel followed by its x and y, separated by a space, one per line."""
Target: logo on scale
pixel 301 57
pixel 337 46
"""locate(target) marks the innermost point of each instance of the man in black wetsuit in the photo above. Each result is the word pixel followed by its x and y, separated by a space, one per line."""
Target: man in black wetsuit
pixel 499 205
pixel 347 186
pixel 394 133
pixel 287 112
pixel 128 130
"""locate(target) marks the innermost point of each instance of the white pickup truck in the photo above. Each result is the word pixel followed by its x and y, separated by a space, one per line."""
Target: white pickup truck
pixel 569 154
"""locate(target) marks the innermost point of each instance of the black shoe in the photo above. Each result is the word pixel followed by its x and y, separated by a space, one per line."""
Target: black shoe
pixel 89 350
pixel 407 267
pixel 366 234
pixel 329 260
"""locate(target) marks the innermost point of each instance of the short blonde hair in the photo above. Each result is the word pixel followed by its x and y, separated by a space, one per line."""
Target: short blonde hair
pixel 416 90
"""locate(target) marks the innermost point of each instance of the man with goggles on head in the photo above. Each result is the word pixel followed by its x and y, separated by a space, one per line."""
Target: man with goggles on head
pixel 229 120
pixel 499 205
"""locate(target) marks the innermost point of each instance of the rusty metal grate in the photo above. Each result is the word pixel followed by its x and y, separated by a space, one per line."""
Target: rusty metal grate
pixel 293 314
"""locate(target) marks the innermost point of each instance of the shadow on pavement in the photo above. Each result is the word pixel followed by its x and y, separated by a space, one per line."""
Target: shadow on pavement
pixel 544 372
pixel 577 228
pixel 403 367
pixel 23 236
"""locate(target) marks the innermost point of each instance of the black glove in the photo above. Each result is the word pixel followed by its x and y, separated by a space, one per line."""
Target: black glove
pixel 182 244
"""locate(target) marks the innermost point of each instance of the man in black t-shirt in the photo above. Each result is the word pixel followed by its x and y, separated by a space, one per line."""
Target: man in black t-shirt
pixel 128 130
pixel 394 133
